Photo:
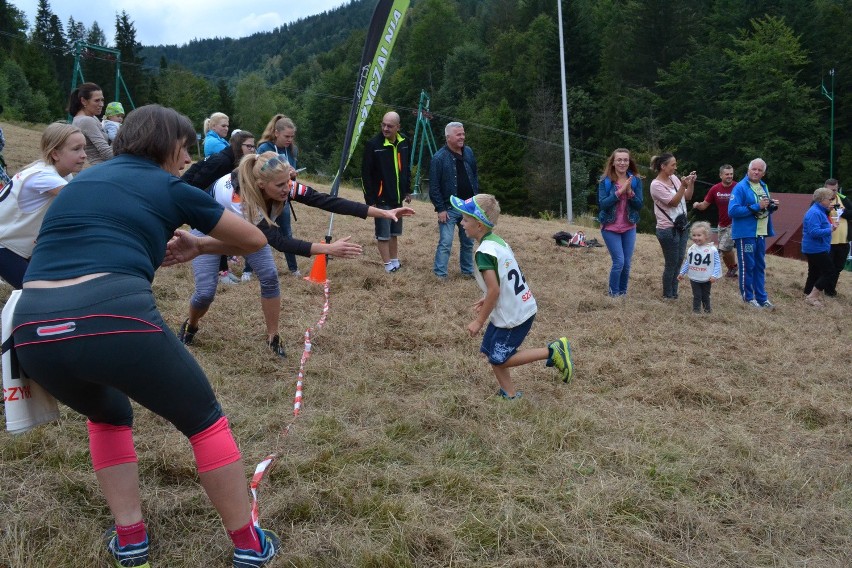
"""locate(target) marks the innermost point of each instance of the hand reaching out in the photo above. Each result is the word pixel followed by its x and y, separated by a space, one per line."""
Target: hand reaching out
pixel 182 247
pixel 342 248
pixel 394 214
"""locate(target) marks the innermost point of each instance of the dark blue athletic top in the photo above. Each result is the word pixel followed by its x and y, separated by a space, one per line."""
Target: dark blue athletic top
pixel 117 217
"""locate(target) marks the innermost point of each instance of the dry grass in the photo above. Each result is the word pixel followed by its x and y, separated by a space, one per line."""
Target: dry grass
pixel 684 441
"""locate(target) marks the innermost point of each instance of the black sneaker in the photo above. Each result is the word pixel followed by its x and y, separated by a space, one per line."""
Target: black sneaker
pixel 276 346
pixel 187 333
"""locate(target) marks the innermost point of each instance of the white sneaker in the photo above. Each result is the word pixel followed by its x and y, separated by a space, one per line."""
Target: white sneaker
pixel 296 272
pixel 246 277
pixel 228 278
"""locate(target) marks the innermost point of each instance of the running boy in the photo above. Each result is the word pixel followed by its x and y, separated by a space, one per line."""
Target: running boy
pixel 508 305
pixel 701 265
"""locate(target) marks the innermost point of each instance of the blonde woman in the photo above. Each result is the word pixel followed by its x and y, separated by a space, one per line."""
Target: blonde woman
pixel 279 136
pixel 258 193
pixel 24 202
pixel 215 131
pixel 818 226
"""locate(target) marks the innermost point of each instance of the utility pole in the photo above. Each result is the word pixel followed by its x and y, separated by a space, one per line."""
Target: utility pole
pixel 569 209
pixel 831 144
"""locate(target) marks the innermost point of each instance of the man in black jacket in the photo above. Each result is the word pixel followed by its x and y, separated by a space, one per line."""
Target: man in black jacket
pixel 386 177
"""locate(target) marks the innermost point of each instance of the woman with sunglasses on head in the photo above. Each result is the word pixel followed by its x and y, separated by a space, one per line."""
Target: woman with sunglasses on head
pixel 279 136
pixel 206 172
pixel 87 328
pixel 259 192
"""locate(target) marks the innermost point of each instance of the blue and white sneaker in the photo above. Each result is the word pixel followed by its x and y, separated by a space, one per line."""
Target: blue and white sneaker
pixel 270 544
pixel 130 556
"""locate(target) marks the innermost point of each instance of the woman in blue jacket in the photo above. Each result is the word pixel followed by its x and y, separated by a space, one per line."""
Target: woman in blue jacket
pixel 215 130
pixel 816 245
pixel 619 203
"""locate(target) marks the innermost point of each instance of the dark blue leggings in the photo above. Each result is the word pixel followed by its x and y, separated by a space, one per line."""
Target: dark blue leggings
pixel 96 345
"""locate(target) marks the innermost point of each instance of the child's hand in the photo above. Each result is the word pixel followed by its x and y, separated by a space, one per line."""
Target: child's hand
pixel 478 306
pixel 712 279
pixel 474 327
pixel 680 277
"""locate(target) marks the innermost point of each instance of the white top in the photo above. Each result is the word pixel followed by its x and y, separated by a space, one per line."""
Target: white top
pixel 23 204
pixel 515 304
pixel 701 263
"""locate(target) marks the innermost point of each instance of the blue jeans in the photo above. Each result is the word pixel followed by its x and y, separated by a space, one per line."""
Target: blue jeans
pixel 286 229
pixel 751 257
pixel 620 247
pixel 445 246
pixel 673 243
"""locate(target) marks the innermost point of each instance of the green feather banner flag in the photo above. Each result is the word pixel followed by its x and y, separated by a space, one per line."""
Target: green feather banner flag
pixel 381 37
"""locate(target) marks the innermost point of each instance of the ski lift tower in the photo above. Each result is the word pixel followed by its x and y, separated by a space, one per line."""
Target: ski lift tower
pixel 80 51
pixel 422 137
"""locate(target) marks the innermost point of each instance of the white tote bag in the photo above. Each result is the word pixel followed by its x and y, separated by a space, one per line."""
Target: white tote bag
pixel 27 404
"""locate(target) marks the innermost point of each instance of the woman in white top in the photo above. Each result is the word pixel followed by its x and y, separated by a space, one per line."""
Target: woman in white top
pixel 24 202
pixel 669 195
pixel 85 104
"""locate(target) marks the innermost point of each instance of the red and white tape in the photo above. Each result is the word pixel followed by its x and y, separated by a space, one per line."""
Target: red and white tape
pixel 264 466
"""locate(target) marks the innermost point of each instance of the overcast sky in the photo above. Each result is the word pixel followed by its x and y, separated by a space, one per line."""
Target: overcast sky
pixel 179 21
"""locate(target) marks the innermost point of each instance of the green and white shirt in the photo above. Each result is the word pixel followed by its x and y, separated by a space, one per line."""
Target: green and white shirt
pixel 516 303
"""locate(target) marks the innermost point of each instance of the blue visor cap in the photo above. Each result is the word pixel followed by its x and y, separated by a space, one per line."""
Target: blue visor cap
pixel 470 207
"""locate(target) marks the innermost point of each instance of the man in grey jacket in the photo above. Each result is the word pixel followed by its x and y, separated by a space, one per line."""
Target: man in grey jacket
pixel 452 172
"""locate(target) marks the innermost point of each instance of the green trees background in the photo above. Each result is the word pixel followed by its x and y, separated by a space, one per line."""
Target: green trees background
pixel 714 81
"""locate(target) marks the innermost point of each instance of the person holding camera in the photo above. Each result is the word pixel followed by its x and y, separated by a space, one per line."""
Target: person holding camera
pixel 841 213
pixel 670 195
pixel 750 210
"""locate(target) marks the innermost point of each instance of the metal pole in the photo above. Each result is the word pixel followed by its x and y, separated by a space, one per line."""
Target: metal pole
pixel 831 150
pixel 831 144
pixel 569 209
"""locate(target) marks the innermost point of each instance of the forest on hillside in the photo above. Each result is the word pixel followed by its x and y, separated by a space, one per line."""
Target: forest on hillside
pixel 714 81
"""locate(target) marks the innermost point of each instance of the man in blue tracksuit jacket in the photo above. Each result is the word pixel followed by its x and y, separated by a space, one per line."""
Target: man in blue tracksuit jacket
pixel 750 209
pixel 452 172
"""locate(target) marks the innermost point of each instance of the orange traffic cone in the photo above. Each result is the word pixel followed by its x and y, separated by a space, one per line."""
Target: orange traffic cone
pixel 318 271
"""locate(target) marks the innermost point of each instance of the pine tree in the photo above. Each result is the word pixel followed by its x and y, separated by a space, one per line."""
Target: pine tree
pixel 13 22
pixel 76 32
pixel 41 30
pixel 135 78
pixel 771 113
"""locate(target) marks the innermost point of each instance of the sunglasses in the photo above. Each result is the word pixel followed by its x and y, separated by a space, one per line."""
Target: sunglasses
pixel 273 163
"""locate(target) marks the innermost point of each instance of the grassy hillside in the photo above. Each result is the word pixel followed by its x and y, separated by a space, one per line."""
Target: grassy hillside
pixel 683 441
